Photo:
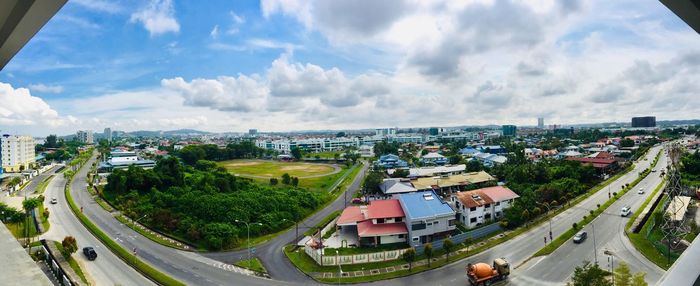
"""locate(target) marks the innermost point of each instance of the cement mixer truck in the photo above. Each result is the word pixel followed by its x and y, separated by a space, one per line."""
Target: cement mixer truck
pixel 484 274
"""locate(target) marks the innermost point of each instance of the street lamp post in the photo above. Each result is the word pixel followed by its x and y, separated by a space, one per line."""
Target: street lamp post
pixel 340 270
pixel 133 222
pixel 611 260
pixel 550 220
pixel 595 251
pixel 248 240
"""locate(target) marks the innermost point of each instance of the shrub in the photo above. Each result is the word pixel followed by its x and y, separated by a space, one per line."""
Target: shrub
pixel 574 225
pixel 70 246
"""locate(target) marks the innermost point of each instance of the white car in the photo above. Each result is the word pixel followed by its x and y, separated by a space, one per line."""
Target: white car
pixel 641 191
pixel 625 211
pixel 54 201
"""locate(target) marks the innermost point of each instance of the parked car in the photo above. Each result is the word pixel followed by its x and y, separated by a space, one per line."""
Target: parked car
pixel 641 191
pixel 580 237
pixel 54 201
pixel 653 170
pixel 356 201
pixel 90 253
pixel 625 211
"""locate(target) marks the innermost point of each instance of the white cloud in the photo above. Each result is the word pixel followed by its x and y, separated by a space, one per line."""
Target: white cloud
pixel 99 5
pixel 158 17
pixel 214 32
pixel 225 93
pixel 46 88
pixel 19 107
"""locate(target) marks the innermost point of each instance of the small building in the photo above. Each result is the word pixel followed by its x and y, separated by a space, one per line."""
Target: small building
pixel 436 171
pixel 434 159
pixel 390 161
pixel 448 184
pixel 396 186
pixel 428 217
pixel 490 160
pixel 468 151
pixel 478 206
pixel 380 222
pixel 366 151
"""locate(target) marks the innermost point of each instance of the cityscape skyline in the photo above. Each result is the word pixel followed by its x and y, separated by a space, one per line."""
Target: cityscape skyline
pixel 279 67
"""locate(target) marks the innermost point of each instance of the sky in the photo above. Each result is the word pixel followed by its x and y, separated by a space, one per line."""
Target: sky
pixel 281 65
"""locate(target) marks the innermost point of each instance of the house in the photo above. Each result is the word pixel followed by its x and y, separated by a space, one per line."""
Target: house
pixel 396 186
pixel 492 149
pixel 602 165
pixel 448 184
pixel 490 160
pixel 434 159
pixel 428 217
pixel 482 205
pixel 436 171
pixel 390 161
pixel 468 151
pixel 380 222
pixel 570 154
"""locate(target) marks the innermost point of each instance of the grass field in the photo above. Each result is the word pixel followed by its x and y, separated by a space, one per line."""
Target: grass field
pixel 252 264
pixel 274 169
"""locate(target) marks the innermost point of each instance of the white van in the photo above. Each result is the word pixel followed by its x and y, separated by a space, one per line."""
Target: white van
pixel 625 211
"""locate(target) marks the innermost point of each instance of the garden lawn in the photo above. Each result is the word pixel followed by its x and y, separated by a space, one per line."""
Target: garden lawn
pixel 275 169
pixel 252 264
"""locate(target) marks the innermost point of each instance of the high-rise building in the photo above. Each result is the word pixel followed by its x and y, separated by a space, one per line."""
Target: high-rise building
pixel 540 122
pixel 84 136
pixel 253 132
pixel 509 130
pixel 17 152
pixel 433 131
pixel 108 134
pixel 645 121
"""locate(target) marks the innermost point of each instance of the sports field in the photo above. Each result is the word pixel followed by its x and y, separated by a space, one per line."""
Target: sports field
pixel 275 169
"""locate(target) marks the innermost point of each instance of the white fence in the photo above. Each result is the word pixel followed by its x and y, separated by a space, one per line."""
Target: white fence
pixel 330 260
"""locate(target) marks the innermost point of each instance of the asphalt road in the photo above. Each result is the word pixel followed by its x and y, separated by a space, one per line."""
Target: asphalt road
pixel 107 269
pixel 195 268
pixel 206 269
pixel 522 247
pixel 608 229
pixel 34 182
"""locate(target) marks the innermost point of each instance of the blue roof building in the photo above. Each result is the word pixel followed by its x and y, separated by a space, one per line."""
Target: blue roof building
pixel 390 161
pixel 468 151
pixel 428 217
pixel 492 149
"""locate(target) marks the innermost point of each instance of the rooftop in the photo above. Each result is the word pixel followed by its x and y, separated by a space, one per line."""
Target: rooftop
pixel 452 180
pixel 384 209
pixel 424 205
pixel 16 267
pixel 367 229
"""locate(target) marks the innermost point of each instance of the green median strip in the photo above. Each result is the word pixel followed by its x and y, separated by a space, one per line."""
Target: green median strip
pixel 122 253
pixel 561 239
pixel 640 242
pixel 252 264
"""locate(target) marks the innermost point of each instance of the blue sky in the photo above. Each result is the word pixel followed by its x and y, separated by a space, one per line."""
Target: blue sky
pixel 290 65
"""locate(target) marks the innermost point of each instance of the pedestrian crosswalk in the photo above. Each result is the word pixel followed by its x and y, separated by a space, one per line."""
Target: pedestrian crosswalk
pixel 232 268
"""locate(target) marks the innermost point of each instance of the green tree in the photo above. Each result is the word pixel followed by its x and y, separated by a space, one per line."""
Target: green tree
pixel 455 159
pixel 626 143
pixel 30 204
pixel 273 181
pixel 448 246
pixel 639 279
pixel 70 246
pixel 51 141
pixel 623 275
pixel 373 180
pixel 474 166
pixel 589 275
pixel 428 250
pixel 286 179
pixel 296 153
pixel 295 181
pixel 190 154
pixel 409 256
pixel 400 173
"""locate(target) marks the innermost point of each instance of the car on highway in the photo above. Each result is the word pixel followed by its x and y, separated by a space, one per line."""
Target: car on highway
pixel 90 253
pixel 580 237
pixel 625 211
pixel 641 191
pixel 653 170
pixel 54 201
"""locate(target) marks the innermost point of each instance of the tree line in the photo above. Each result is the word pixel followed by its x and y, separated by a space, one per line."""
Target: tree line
pixel 190 154
pixel 200 203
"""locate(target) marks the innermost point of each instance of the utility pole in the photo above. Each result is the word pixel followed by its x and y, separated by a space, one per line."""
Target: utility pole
pixel 595 251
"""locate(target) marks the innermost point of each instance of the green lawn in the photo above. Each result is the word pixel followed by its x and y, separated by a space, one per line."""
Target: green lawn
pixel 252 264
pixel 44 220
pixel 72 262
pixel 42 186
pixel 17 228
pixel 275 169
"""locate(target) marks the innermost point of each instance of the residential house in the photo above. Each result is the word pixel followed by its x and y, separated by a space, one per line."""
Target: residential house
pixel 434 159
pixel 478 206
pixel 448 184
pixel 390 161
pixel 396 186
pixel 380 222
pixel 492 149
pixel 436 171
pixel 490 160
pixel 428 217
pixel 468 151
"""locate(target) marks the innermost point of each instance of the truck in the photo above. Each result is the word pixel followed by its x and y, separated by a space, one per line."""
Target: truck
pixel 484 274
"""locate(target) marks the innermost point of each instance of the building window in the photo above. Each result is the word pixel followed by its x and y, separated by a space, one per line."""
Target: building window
pixel 402 236
pixel 380 220
pixel 487 206
pixel 487 216
pixel 472 220
pixel 418 226
pixel 498 203
pixel 436 222
pixel 472 209
pixel 398 219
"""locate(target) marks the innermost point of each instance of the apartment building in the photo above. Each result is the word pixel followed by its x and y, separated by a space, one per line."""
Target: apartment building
pixel 17 152
pixel 85 136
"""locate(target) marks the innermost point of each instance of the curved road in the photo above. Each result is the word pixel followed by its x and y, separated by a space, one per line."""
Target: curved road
pixel 205 269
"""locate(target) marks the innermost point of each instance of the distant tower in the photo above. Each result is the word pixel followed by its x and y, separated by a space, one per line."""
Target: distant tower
pixel 540 122
pixel 108 134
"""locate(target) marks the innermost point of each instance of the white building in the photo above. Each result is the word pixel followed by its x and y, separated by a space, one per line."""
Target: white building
pixel 84 136
pixel 480 206
pixel 366 151
pixel 17 152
